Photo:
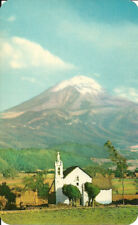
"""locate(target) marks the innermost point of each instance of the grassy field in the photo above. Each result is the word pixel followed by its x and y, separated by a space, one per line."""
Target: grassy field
pixel 129 184
pixel 98 216
pixel 29 198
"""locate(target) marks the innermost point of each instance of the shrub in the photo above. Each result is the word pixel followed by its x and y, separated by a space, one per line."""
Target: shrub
pixel 92 191
pixel 72 192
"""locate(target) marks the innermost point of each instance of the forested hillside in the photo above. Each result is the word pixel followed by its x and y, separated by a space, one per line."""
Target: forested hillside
pixel 71 153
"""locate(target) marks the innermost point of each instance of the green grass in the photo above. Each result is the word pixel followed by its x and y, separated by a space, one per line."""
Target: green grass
pixel 104 216
pixel 129 184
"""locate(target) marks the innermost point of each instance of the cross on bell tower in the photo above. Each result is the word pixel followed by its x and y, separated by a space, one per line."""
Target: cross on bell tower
pixel 58 167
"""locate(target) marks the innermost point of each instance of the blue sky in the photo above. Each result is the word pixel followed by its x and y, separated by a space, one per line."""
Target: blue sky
pixel 47 41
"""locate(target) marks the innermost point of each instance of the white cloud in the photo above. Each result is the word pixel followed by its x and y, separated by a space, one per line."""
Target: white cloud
pixel 11 19
pixel 127 92
pixel 20 53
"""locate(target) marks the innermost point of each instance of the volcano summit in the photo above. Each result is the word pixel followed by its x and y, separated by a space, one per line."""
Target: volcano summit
pixel 78 110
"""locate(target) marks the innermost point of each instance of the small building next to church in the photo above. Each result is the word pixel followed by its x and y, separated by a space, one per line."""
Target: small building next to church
pixel 77 177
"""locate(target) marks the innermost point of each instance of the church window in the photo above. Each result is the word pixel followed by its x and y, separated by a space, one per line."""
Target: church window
pixel 77 183
pixel 58 170
pixel 77 178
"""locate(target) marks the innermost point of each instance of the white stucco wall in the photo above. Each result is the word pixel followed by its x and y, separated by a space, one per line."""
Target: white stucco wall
pixel 71 178
pixel 60 197
pixel 104 197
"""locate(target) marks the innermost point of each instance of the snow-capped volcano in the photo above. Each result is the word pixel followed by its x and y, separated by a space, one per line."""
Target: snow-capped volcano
pixel 82 84
pixel 77 110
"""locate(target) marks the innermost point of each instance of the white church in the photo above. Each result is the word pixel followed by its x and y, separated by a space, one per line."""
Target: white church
pixel 77 177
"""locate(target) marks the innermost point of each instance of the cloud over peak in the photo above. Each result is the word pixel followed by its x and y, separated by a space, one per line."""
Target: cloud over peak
pixel 127 92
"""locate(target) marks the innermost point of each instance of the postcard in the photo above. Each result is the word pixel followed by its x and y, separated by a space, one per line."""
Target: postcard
pixel 68 112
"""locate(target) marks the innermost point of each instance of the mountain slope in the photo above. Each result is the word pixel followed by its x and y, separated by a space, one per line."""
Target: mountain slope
pixel 77 110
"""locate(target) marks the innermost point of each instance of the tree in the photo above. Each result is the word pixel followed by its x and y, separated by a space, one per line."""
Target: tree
pixel 72 192
pixel 130 173
pixel 95 169
pixel 120 162
pixel 92 192
pixel 29 183
pixel 41 187
pixel 8 194
pixel 91 170
pixel 19 191
pixel 36 183
pixel 9 173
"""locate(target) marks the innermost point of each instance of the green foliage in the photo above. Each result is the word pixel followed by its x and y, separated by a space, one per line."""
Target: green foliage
pixel 130 186
pixel 29 183
pixel 120 162
pixel 72 192
pixel 29 160
pixel 36 183
pixel 94 169
pixel 9 173
pixel 92 191
pixel 43 191
pixel 3 164
pixel 41 187
pixel 86 150
pixel 8 194
pixel 117 158
pixel 129 173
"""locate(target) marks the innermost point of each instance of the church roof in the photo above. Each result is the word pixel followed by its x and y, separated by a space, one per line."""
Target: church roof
pixel 70 169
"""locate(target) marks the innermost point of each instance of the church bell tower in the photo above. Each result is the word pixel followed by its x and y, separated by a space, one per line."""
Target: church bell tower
pixel 58 179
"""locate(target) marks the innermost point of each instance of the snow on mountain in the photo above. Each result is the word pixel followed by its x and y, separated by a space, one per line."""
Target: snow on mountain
pixel 77 110
pixel 82 84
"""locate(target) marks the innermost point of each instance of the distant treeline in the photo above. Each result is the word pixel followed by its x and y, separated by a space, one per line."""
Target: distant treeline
pixel 33 159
